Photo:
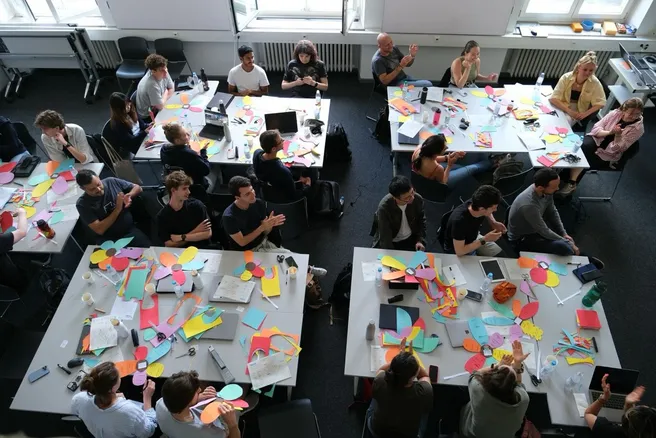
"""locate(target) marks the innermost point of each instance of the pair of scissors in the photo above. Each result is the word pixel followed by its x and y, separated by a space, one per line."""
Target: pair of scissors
pixel 190 352
pixel 526 278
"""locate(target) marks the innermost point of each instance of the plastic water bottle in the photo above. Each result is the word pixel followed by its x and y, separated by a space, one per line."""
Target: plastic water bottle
pixel 536 89
pixel 371 330
pixel 112 274
pixel 548 367
pixel 178 290
pixel 573 383
pixel 317 98
pixel 317 111
pixel 379 278
pixel 194 79
pixel 485 287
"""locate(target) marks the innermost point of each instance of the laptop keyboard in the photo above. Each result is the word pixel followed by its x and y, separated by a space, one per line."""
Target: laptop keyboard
pixel 650 77
pixel 616 401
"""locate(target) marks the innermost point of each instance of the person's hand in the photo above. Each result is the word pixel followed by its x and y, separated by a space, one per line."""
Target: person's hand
pixel 568 238
pixel 202 227
pixel 148 389
pixel 605 387
pixel 413 49
pixel 278 219
pixel 507 359
pixel 298 82
pixel 617 129
pixel 518 353
pixel 127 201
pixel 20 213
pixel 60 139
pixel 498 226
pixel 207 394
pixel 228 414
pixel 579 116
pixel 149 127
pixel 634 397
pixel 492 76
pixel 407 59
pixel 576 249
pixel 120 200
pixel 308 80
pixel 466 64
pixel 460 154
pixel 492 236
pixel 305 180
pixel 451 158
pixel 419 246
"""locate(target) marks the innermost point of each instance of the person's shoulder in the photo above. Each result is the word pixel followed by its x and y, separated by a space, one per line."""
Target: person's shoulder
pixel 234 69
pixel 292 63
pixel 229 211
pixel 259 69
pixel 73 127
pixel 164 212
pixel 194 203
pixel 319 63
pixel 595 80
pixel 259 203
pixel 567 76
pixel 423 387
pixel 385 201
pixel 82 397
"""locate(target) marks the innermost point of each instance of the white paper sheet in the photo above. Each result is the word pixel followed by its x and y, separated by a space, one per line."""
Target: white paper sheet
pixel 269 370
pixel 531 141
pixel 369 270
pixel 410 128
pixel 435 94
pixel 156 134
pixel 73 192
pixel 213 262
pixel 503 330
pixel 377 358
pixel 453 273
pixel 103 334
pixel 124 310
pixel 527 347
pixel 5 195
pixel 581 403
pixel 234 289
pixel 70 212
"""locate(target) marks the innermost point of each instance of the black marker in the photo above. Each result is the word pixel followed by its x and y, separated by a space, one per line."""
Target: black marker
pixel 67 371
pixel 594 344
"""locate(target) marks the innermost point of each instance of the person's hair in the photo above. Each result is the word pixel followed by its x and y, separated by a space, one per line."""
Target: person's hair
pixel 306 47
pixel 173 131
pixel 485 197
pixel 588 58
pixel 84 177
pixel 100 381
pixel 639 422
pixel 469 46
pixel 236 183
pixel 179 390
pixel 49 119
pixel 433 145
pixel 268 140
pixel 544 176
pixel 118 113
pixel 500 383
pixel 399 185
pixel 155 61
pixel 177 179
pixel 244 50
pixel 403 367
pixel 632 103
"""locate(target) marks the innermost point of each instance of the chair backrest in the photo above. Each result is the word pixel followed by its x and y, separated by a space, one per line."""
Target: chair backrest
pixel 296 217
pixel 273 421
pixel 25 137
pixel 441 232
pixel 98 148
pixel 429 189
pixel 133 48
pixel 170 48
pixel 446 78
pixel 216 205
pixel 379 87
pixel 511 185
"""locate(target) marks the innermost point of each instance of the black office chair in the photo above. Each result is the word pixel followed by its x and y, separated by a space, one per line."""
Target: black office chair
pixel 134 51
pixel 173 51
pixel 25 137
pixel 98 148
pixel 296 217
pixel 514 248
pixel 441 231
pixel 274 421
pixel 430 190
pixel 511 185
pixel 631 152
pixel 378 88
pixel 446 78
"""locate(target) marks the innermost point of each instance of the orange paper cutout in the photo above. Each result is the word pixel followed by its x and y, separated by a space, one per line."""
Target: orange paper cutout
pixel 423 135
pixel 126 367
pixel 167 259
pixel 51 166
pixel 516 307
pixel 526 263
pixel 471 345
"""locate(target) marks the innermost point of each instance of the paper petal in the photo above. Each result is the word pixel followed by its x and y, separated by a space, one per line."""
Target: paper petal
pixel 478 331
pixel 120 264
pixel 231 392
pixel 194 265
pixel 498 321
pixel 167 259
pixel 188 255
pixel 505 311
pixel 139 378
pixel 161 272
pixel 427 273
pixel 98 256
pixel 529 310
pixel 57 217
pixel 122 243
pixel 403 319
pixel 515 332
pixel 417 259
pixel 239 403
pixel 35 180
pixel 552 279
pixel 475 363
pixel 538 275
pixel 155 369
pixel 42 188
pixel 210 413
pixel 527 263
pixel 471 345
pixel 430 344
pixel 496 340
pixel 126 367
pixel 6 177
pixel 60 186
pixel 393 275
pixel 246 275
pixel 132 253
pixel 393 263
pixel 149 334
pixel 558 268
pixel 157 352
pixel 516 307
pixel 107 244
pixel 141 352
pixel 180 277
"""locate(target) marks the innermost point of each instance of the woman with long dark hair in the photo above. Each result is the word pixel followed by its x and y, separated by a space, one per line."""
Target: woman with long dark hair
pixel 466 69
pixel 306 73
pixel 126 130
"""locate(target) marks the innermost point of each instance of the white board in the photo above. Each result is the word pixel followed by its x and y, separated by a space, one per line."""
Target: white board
pixel 447 17
pixel 171 14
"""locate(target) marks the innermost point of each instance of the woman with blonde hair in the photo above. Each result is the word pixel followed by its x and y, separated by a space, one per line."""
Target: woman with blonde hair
pixel 179 154
pixel 579 94
pixel 306 73
pixel 605 146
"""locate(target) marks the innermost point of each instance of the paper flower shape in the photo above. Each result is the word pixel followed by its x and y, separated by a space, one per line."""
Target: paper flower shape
pixel 486 347
pixel 410 272
pixel 543 271
pixel 412 332
pixel 176 266
pixel 115 254
pixel 212 412
pixel 186 104
pixel 251 268
pixel 558 134
pixel 143 365
pixel 489 92
pixel 518 318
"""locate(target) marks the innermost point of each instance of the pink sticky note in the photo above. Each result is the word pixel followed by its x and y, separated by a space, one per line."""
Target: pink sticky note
pixel 60 185
pixel 6 177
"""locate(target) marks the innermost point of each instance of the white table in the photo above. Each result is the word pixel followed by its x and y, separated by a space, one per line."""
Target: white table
pixel 626 86
pixel 366 299
pixel 66 325
pixel 63 229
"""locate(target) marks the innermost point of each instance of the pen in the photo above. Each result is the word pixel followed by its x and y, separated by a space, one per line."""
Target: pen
pixel 236 153
pixel 241 120
pixel 594 344
pixel 268 299
pixel 67 371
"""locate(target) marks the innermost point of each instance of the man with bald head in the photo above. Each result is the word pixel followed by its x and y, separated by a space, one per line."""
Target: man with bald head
pixel 388 63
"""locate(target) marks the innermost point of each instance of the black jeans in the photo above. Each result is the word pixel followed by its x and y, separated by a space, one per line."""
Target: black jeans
pixel 407 244
pixel 537 243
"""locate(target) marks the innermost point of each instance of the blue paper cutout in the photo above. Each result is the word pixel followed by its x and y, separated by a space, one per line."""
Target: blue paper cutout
pixel 418 258
pixel 65 165
pixel 254 318
pixel 558 268
pixel 403 320
pixel 478 331
pixel 35 180
pixel 194 265
pixel 207 319
pixel 149 334
pixel 430 344
pixel 158 352
pixel 498 320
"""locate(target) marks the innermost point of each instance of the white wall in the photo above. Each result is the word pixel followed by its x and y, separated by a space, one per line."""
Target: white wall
pixel 216 58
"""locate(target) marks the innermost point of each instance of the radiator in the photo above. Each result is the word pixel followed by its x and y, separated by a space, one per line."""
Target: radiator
pixel 529 63
pixel 275 56
pixel 105 53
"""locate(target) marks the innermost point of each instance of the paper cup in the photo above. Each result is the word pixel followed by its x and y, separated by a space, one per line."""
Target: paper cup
pixel 88 277
pixel 249 142
pixel 292 272
pixel 87 299
pixel 149 289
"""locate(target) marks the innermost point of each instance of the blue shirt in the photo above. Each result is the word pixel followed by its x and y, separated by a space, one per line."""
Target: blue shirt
pixel 123 419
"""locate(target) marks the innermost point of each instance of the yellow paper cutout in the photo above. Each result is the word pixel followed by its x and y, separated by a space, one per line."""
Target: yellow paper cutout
pixel 392 263
pixel 42 188
pixel 578 360
pixel 188 255
pixel 155 369
pixel 247 100
pixel 552 280
pixel 449 292
pixel 526 101
pixel 98 256
pixel 413 334
pixel 472 136
pixel 498 354
pixel 271 286
pixel 478 93
pixel 532 330
pixel 246 275
pixel 29 211
pixel 552 138
pixel 449 140
pixel 281 154
pixel 197 325
pixel 404 119
pixel 398 93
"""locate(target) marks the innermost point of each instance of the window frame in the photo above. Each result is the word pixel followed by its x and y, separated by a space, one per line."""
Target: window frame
pixel 573 14
pixel 54 19
pixel 306 12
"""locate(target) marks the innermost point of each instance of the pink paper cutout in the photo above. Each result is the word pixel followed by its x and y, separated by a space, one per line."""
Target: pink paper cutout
pixel 475 363
pixel 139 378
pixel 43 214
pixel 525 289
pixel 542 258
pixel 515 332
pixel 495 340
pixel 161 272
pixel 131 253
pixel 538 275
pixel 304 161
pixel 60 185
pixel 6 177
pixel 167 329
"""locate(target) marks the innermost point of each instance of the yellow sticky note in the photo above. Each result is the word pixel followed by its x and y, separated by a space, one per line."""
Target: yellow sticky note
pixel 247 100
pixel 42 188
pixel 271 286
pixel 526 101
pixel 404 119
pixel 398 93
pixel 197 325
pixel 449 140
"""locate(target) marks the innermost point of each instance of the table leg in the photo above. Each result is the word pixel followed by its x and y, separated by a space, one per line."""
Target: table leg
pixel 76 243
pixel 356 380
pixel 289 393
pixel 395 162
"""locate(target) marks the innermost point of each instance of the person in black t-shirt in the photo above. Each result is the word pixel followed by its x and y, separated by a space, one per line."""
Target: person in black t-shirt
pixel 183 221
pixel 462 235
pixel 10 275
pixel 638 421
pixel 11 147
pixel 305 73
pixel 8 240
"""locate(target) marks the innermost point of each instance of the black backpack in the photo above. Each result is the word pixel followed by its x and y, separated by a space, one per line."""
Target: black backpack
pixel 341 296
pixel 328 200
pixel 508 166
pixel 337 145
pixel 382 130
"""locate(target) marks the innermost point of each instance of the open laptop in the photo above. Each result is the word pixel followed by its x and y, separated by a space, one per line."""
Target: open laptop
pixel 404 139
pixel 458 331
pixel 285 123
pixel 639 66
pixel 621 381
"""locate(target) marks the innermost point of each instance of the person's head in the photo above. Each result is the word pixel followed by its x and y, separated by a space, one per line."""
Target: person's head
pixel 181 391
pixel 50 122
pixel 89 182
pixel 246 56
pixel 157 66
pixel 177 184
pixel 121 109
pixel 102 381
pixel 585 66
pixel 271 141
pixel 176 134
pixel 385 44
pixel 240 187
pixel 485 200
pixel 546 181
pixel 632 109
pixel 639 422
pixel 402 370
pixel 431 147
pixel 402 191
pixel 472 51
pixel 305 52
pixel 500 383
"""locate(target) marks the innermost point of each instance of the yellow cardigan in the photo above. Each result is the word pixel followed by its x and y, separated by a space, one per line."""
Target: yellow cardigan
pixel 592 92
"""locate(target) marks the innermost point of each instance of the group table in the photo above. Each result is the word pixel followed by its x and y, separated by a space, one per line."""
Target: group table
pixel 61 339
pixel 366 299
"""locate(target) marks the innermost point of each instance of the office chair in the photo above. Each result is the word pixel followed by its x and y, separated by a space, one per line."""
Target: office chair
pixel 446 78
pixel 173 50
pixel 631 152
pixel 511 185
pixel 296 217
pixel 134 51
pixel 441 231
pixel 378 88
pixel 430 190
pixel 26 138
pixel 274 421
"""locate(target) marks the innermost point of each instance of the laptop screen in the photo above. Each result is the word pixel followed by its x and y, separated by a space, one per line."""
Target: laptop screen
pixel 621 381
pixel 624 53
pixel 283 122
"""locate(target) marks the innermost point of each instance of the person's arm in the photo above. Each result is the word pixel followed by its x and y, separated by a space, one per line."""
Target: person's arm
pixel 197 164
pixel 79 147
pixel 322 85
pixel 21 231
pixel 53 148
pixel 423 376
pixel 385 235
pixel 599 130
pixel 203 231
pixel 552 217
pixel 593 109
pixel 462 250
pixel 156 99
pixel 290 80
pixel 264 84
pixel 101 226
pixel 627 138
pixel 460 77
pixel 531 214
pixel 598 98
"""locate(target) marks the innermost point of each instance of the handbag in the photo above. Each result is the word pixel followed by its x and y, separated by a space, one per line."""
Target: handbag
pixel 123 168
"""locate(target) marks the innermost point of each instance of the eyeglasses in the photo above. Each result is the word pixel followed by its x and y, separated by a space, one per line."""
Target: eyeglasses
pixel 409 197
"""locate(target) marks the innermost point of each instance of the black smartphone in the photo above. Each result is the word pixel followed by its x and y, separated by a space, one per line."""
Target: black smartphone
pixel 291 262
pixel 432 373
pixel 475 296
pixel 591 275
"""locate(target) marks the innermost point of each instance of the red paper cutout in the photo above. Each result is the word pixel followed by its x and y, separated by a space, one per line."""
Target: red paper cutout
pixel 151 314
pixel 475 363
pixel 8 167
pixel 6 220
pixel 141 352
pixel 120 264
pixel 588 319
pixel 538 275
pixel 529 310
pixel 67 175
pixel 258 343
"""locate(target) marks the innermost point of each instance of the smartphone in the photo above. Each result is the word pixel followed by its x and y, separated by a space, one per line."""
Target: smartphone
pixel 591 275
pixel 432 373
pixel 475 296
pixel 291 262
pixel 36 375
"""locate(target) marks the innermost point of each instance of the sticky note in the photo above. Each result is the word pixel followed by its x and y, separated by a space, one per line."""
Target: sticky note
pixel 254 318
pixel 199 324
pixel 271 286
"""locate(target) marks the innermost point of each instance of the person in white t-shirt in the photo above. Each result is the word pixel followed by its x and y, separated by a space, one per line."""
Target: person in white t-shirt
pixel 247 79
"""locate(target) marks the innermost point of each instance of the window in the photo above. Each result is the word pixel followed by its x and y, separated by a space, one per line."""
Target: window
pixel 300 7
pixel 81 12
pixel 566 11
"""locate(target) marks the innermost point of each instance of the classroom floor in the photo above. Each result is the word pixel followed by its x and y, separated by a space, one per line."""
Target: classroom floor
pixel 621 233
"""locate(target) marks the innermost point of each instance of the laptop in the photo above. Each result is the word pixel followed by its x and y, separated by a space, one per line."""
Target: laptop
pixel 458 331
pixel 285 123
pixel 637 63
pixel 404 139
pixel 165 285
pixel 226 330
pixel 621 381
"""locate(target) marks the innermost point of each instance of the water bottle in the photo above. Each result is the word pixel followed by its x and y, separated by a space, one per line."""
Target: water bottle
pixel 424 95
pixel 485 287
pixel 371 330
pixel 112 274
pixel 222 109
pixel 317 111
pixel 317 98
pixel 405 89
pixel 594 294
pixel 178 290
pixel 436 116
pixel 226 132
pixel 548 367
pixel 194 80
pixel 573 383
pixel 536 89
pixel 379 278
pixel 203 78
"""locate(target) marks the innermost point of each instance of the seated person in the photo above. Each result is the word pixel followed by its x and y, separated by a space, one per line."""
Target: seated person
pixel 10 274
pixel 155 88
pixel 534 223
pixel 126 130
pixel 579 94
pixel 462 235
pixel 180 154
pixel 402 398
pixel 8 240
pixel 305 73
pixel 465 70
pixel 183 221
pixel 610 138
pixel 11 147
pixel 400 218
pixel 638 421
pixel 63 140
pixel 497 399
pixel 105 208
pixel 106 412
pixel 269 169
pixel 388 63
pixel 178 419
pixel 247 78
pixel 431 161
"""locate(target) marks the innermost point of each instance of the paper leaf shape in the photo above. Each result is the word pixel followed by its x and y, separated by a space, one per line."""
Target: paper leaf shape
pixel 60 186
pixel 126 367
pixel 501 309
pixel 158 352
pixel 498 354
pixel 211 412
pixel 42 188
pixel 538 275
pixel 471 345
pixel 478 93
pixel 6 177
pixel 525 288
pixel 231 392
pixel 418 258
pixel 149 334
pixel 35 180
pixel 515 332
pixel 167 259
pixel 188 255
pixel 495 341
pixel 239 404
pixel 532 330
pixel 478 331
pixel 155 369
pixel 430 344
pixel 529 310
pixel 393 275
pixel 141 352
pixel 426 273
pixel 139 378
pixel 527 263
pixel 516 307
pixel 475 363
pixel 558 268
pixel 392 263
pixel 498 321
pixel 403 319
pixel 552 279
pixel 57 217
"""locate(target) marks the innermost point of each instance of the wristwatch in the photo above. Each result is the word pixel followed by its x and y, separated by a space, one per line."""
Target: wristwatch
pixel 183 237
pixel 315 84
pixel 482 241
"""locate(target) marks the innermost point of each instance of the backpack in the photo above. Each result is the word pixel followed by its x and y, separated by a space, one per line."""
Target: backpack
pixel 54 282
pixel 508 166
pixel 337 145
pixel 341 295
pixel 382 130
pixel 327 200
pixel 313 294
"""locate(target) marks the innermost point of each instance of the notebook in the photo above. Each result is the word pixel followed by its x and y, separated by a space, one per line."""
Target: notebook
pixel 233 290
pixel 587 319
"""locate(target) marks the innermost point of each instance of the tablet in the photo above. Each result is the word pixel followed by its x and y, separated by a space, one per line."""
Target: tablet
pixel 492 266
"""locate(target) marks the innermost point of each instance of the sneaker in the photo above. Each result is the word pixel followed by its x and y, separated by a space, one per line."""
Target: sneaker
pixel 317 272
pixel 567 189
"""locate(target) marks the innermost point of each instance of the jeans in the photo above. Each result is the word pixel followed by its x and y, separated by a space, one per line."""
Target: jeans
pixel 407 244
pixel 423 423
pixel 460 173
pixel 20 156
pixel 537 243
pixel 418 83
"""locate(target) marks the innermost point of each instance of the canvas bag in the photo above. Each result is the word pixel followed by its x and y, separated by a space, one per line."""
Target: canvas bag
pixel 123 169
